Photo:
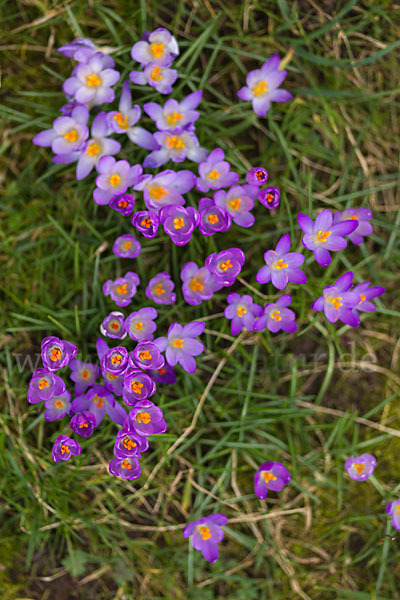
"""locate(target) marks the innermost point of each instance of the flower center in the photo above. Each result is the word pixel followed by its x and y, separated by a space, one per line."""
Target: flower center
pixel 55 354
pixel 146 222
pixel 122 121
pixel 115 325
pixel 175 142
pixel 354 218
pixel 270 197
pixel 179 223
pixel 71 136
pixel 145 355
pixel 362 298
pixel 126 464
pixel 64 448
pixel 58 404
pixel 115 179
pixel 260 175
pixel 93 80
pixel 336 302
pixel 143 417
pixel 159 289
pixel 127 245
pixel 241 310
pixel 204 532
pixel 177 343
pixel 85 373
pixel 280 264
pixel 276 315
pixel 359 467
pixel 323 236
pixel 138 326
pixel 196 285
pixel 260 88
pixel 224 266
pixel 136 387
pixel 174 118
pixel 110 376
pixel 157 50
pixel 85 424
pixel 214 174
pixel 213 219
pixel 98 401
pixel 128 443
pixel 268 477
pixel 235 204
pixel 162 371
pixel 157 193
pixel 93 149
pixel 121 289
pixel 116 359
pixel 156 74
pixel 122 204
pixel 43 383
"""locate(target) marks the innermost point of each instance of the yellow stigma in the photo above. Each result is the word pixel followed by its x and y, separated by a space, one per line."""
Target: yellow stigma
pixel 174 118
pixel 85 373
pixel 213 219
pixel 146 223
pixel 145 355
pixel 143 417
pixel 71 136
pixel 179 223
pixel 136 387
pixel 127 245
pixel 362 298
pixel 122 204
pixel 115 325
pixel 276 315
pixel 235 203
pixel 121 289
pixel 196 285
pixel 268 476
pixel 359 467
pixel 98 401
pixel 204 532
pixel 336 302
pixel 157 50
pixel 270 197
pixel 156 74
pixel 122 121
pixel 323 236
pixel 214 174
pixel 85 424
pixel 174 142
pixel 116 360
pixel 115 179
pixel 162 371
pixel 93 80
pixel 55 354
pixel 241 310
pixel 64 448
pixel 126 464
pixel 226 265
pixel 93 149
pixel 260 175
pixel 159 289
pixel 354 218
pixel 177 343
pixel 128 444
pixel 158 192
pixel 280 264
pixel 43 383
pixel 260 88
pixel 138 326
pixel 58 404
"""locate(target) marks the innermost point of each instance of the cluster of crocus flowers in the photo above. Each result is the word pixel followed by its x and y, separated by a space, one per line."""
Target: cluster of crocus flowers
pixel 155 53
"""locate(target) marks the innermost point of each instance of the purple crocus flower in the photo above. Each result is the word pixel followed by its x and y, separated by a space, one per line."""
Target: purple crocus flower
pixel 365 294
pixel 198 284
pixel 213 218
pixel 164 375
pixel 243 312
pixel 323 236
pixel 174 114
pixel 362 217
pixel 160 78
pixel 98 400
pixel 145 418
pixel 83 423
pixel 180 345
pixel 158 47
pixel 126 246
pixel 140 324
pixel 277 316
pixel 68 134
pixel 226 265
pixel 282 265
pixel 114 383
pixel 115 360
pixel 393 509
pixel 113 326
pixel 215 172
pixel 360 467
pixel 83 375
pixel 146 222
pixel 262 86
pixel 179 222
pixel 206 533
pixel 124 120
pixel 91 82
pixel 57 353
pixel 129 444
pixel 122 289
pixel 82 50
pixel 175 145
pixel 238 203
pixel 160 289
pixel 127 468
pixel 137 386
pixel 123 203
pixel 146 355
pixel 338 302
pixel 114 178
pixel 165 188
pixel 43 385
pixel 64 447
pixel 57 406
pixel 257 176
pixel 270 476
pixel 269 196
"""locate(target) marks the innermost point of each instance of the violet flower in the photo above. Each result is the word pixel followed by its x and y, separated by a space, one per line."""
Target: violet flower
pixel 113 326
pixel 165 188
pixel 238 203
pixel 282 265
pixel 91 82
pixel 158 47
pixel 198 284
pixel 269 196
pixel 145 356
pixel 226 265
pixel 257 176
pixel 114 383
pixel 114 178
pixel 365 294
pixel 176 145
pixel 393 509
pixel 360 467
pixel 137 386
pixel 57 353
pixel 270 476
pixel 174 114
pixel 338 302
pixel 127 468
pixel 140 324
pixel 129 444
pixel 126 246
pixel 82 50
pixel 57 406
pixel 83 423
pixel 145 418
pixel 43 385
pixel 164 375
pixel 99 401
pixel 242 311
pixel 146 222
pixel 123 203
pixel 215 172
pixel 206 533
pixel 277 316
pixel 158 77
pixel 180 345
pixel 179 222
pixel 213 218
pixel 160 289
pixel 68 134
pixel 83 375
pixel 123 289
pixel 64 447
pixel 115 360
pixel 362 217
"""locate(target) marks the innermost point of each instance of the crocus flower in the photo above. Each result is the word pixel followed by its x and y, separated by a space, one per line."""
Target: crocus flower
pixel 242 311
pixel 146 222
pixel 338 302
pixel 64 447
pixel 270 476
pixel 393 509
pixel 114 383
pixel 179 222
pixel 57 406
pixel 160 289
pixel 114 178
pixel 362 217
pixel 160 78
pixel 282 265
pixel 122 289
pixel 146 355
pixel 180 345
pixel 57 353
pixel 145 418
pixel 360 467
pixel 43 385
pixel 124 120
pixel 98 401
pixel 205 534
pixel 123 203
pixel 277 316
pixel 164 375
pixel 128 444
pixel 126 246
pixel 115 360
pixel 165 188
pixel 127 468
pixel 215 172
pixel 262 86
pixel 140 324
pixel 269 196
pixel 82 50
pixel 83 423
pixel 323 235
pixel 113 326
pixel 83 375
pixel 68 134
pixel 238 203
pixel 175 145
pixel 198 284
pixel 91 82
pixel 257 176
pixel 137 386
pixel 174 114
pixel 213 218
pixel 158 47
pixel 226 265
pixel 365 294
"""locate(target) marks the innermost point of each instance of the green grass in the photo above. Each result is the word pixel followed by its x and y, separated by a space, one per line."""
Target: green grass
pixel 74 532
